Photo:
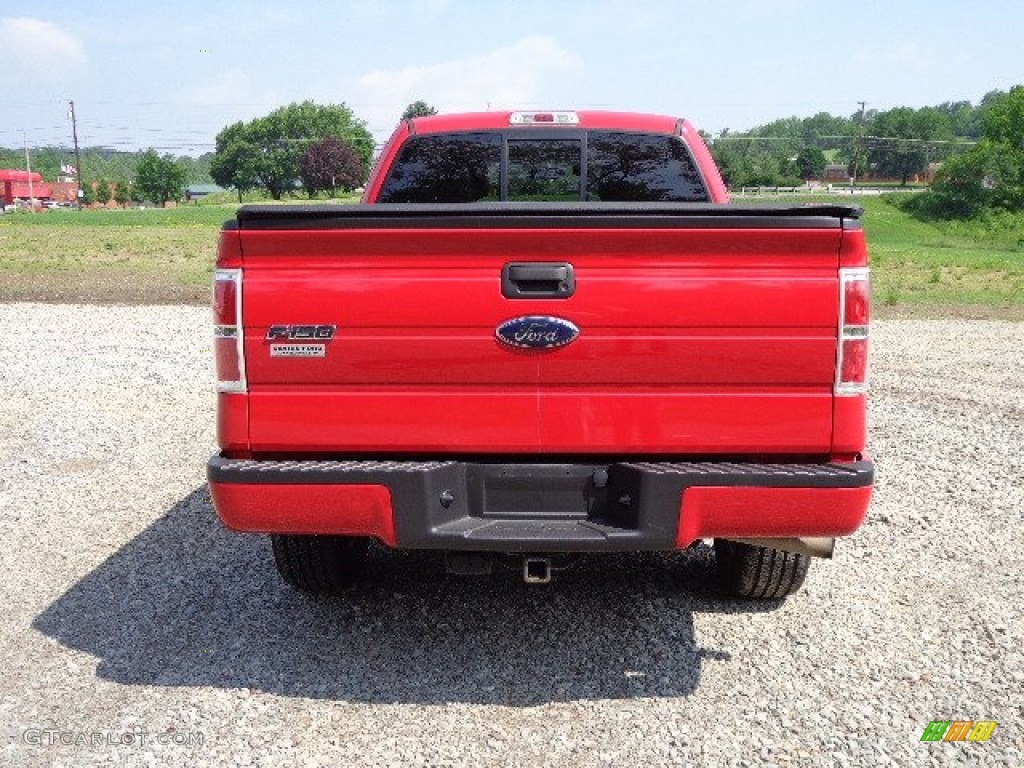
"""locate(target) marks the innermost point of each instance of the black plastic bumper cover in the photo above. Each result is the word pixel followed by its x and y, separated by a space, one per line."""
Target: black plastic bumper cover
pixel 534 507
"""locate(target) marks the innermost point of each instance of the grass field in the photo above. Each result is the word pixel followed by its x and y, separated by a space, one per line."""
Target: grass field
pixel 101 255
pixel 945 263
pixel 166 256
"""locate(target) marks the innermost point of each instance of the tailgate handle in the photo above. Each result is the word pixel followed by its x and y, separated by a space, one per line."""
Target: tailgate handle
pixel 537 280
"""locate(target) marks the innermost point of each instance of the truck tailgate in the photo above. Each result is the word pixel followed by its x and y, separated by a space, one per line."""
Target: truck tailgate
pixel 699 334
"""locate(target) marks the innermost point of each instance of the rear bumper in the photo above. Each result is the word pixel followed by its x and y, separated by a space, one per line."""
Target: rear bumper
pixel 504 507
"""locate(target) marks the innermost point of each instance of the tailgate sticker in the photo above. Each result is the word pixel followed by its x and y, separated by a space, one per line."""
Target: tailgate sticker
pixel 298 350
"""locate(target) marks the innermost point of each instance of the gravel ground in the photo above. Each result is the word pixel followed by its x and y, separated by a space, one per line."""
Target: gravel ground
pixel 133 619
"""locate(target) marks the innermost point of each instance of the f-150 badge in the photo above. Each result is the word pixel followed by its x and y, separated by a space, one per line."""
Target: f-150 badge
pixel 536 332
pixel 301 332
pixel 303 340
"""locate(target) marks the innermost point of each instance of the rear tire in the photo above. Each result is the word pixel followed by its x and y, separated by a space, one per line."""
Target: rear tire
pixel 759 573
pixel 319 564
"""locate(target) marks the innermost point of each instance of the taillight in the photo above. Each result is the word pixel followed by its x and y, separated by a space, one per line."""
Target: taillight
pixel 228 352
pixel 854 317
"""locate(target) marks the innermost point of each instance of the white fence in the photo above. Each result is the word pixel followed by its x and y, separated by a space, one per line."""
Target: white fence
pixel 817 189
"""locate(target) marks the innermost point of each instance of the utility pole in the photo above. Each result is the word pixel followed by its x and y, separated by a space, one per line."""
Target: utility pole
pixel 78 157
pixel 28 170
pixel 859 151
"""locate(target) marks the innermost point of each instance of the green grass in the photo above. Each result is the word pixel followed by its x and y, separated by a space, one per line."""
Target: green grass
pixel 913 262
pixel 940 264
pixel 176 244
pixel 259 196
pixel 177 218
pixel 944 263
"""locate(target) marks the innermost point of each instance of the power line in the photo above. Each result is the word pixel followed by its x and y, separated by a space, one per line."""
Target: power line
pixel 965 142
pixel 845 137
pixel 862 143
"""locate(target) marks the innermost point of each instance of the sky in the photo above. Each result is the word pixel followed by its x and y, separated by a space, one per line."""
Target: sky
pixel 171 75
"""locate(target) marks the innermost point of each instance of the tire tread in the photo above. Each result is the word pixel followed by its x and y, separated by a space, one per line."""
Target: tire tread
pixel 759 573
pixel 318 564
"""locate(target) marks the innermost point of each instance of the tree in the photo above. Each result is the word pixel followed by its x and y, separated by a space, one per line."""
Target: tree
pixel 159 178
pixel 233 163
pixel 265 152
pixel 102 193
pixel 964 119
pixel 328 164
pixel 826 131
pixel 810 163
pixel 418 109
pixel 989 176
pixel 122 193
pixel 1002 122
pixel 744 163
pixel 899 145
pixel 728 160
pixel 766 155
pixel 98 163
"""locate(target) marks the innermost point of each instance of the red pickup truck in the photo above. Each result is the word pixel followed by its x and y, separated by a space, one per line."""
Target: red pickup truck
pixel 543 334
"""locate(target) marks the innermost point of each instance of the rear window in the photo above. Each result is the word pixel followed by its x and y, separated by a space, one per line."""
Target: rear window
pixel 544 169
pixel 469 167
pixel 624 166
pixel 461 168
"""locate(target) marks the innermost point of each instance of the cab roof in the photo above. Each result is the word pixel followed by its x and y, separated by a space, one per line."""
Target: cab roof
pixel 588 119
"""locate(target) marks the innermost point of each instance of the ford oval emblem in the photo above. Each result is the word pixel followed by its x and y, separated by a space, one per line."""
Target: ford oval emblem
pixel 536 332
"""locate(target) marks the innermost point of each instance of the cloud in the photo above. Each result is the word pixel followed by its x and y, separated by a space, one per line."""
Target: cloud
pixel 515 76
pixel 39 49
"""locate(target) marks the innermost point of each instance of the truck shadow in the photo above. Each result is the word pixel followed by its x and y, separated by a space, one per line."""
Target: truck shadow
pixel 186 603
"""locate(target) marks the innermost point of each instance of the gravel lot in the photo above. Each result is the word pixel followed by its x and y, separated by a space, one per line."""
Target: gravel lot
pixel 131 616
